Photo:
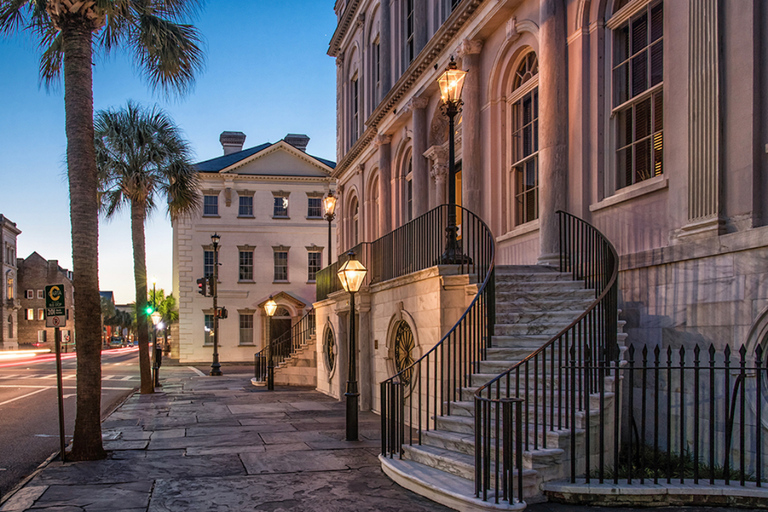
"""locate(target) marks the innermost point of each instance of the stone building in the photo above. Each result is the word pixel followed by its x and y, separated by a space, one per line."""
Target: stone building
pixel 646 118
pixel 9 306
pixel 265 204
pixel 34 274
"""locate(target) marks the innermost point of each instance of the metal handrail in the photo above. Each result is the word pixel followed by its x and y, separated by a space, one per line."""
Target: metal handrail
pixel 590 257
pixel 285 345
pixel 413 399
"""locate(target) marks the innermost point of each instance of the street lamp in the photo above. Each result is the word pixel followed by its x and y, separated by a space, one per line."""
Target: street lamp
pixel 156 317
pixel 351 275
pixel 451 83
pixel 270 307
pixel 329 202
pixel 215 366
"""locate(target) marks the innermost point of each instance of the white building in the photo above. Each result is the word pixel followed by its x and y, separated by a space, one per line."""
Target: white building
pixel 265 203
pixel 9 306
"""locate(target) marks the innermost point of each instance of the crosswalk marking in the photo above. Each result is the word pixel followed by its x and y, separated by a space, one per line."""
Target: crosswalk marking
pixel 8 376
pixel 130 377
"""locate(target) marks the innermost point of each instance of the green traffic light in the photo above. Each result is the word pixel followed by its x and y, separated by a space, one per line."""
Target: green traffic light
pixel 149 310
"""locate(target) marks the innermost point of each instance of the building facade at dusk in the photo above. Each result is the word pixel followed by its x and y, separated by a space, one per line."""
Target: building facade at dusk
pixel 645 118
pixel 265 204
pixel 9 307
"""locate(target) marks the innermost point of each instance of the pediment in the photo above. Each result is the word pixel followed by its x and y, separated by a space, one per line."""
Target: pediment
pixel 280 159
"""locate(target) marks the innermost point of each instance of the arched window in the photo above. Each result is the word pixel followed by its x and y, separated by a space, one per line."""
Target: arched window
pixel 409 190
pixel 374 213
pixel 10 326
pixel 637 107
pixel 524 111
pixel 353 221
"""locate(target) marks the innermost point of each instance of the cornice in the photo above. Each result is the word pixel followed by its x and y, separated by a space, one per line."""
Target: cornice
pixel 347 20
pixel 436 45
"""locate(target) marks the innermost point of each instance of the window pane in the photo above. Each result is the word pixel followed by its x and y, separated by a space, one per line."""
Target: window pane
pixel 246 265
pixel 639 32
pixel 314 207
pixel 624 167
pixel 657 21
pixel 207 263
pixel 246 329
pixel 624 125
pixel 620 44
pixel 640 73
pixel 620 84
pixel 657 63
pixel 281 266
pixel 642 160
pixel 210 205
pixel 643 119
pixel 246 206
pixel 314 265
pixel 280 207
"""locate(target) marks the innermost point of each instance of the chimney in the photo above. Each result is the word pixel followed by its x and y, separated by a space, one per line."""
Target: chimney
pixel 297 140
pixel 232 142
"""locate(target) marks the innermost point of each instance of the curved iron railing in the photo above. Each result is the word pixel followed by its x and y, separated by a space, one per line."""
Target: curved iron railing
pixel 553 384
pixel 413 399
pixel 285 345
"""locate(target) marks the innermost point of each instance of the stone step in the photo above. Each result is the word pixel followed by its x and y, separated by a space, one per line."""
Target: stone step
pixel 523 303
pixel 510 293
pixel 451 490
pixel 539 286
pixel 555 317
pixel 504 273
pixel 547 330
pixel 467 394
pixel 532 341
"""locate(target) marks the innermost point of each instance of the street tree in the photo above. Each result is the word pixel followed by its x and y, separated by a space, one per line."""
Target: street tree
pixel 167 52
pixel 143 160
pixel 169 312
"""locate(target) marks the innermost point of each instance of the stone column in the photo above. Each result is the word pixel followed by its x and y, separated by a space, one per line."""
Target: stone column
pixel 438 171
pixel 385 183
pixel 471 149
pixel 341 224
pixel 420 165
pixel 385 50
pixel 367 375
pixel 553 127
pixel 704 193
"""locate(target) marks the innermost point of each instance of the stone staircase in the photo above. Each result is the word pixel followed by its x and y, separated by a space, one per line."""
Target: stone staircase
pixel 533 303
pixel 300 368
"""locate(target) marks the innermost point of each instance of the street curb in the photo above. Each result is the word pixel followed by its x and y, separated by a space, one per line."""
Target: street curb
pixel 55 454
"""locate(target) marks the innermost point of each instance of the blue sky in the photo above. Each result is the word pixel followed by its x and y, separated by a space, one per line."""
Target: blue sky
pixel 267 74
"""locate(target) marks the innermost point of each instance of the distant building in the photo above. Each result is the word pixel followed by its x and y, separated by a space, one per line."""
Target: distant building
pixel 34 274
pixel 265 202
pixel 10 299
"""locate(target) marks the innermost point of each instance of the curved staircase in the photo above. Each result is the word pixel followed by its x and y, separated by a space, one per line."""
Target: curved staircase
pixel 524 400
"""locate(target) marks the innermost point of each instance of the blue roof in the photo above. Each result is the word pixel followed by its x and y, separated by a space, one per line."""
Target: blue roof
pixel 220 163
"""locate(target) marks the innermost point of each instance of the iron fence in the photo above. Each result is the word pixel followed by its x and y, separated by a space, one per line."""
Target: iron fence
pixel 692 415
pixel 327 280
pixel 414 398
pixel 285 345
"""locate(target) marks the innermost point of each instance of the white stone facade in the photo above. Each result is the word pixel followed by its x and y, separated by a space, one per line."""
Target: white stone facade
pixel 644 117
pixel 9 306
pixel 263 203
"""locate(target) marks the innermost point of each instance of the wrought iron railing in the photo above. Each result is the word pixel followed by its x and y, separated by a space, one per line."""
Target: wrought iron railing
pixel 694 416
pixel 285 345
pixel 549 393
pixel 414 246
pixel 414 399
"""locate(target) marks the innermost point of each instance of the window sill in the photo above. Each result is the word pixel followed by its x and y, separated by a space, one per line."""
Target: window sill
pixel 520 230
pixel 631 192
pixel 207 344
pixel 314 218
pixel 245 216
pixel 212 215
pixel 280 217
pixel 312 281
pixel 246 281
pixel 246 345
pixel 281 282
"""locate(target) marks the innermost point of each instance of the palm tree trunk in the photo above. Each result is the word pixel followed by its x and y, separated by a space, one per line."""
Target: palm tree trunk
pixel 84 211
pixel 138 215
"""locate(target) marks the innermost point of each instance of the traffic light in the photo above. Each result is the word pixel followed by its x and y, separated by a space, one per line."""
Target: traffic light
pixel 222 313
pixel 211 286
pixel 149 309
pixel 201 286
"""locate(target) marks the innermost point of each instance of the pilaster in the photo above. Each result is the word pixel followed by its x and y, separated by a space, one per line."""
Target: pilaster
pixel 420 164
pixel 384 142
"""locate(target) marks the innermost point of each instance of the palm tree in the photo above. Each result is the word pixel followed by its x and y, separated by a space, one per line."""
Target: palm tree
pixel 168 54
pixel 142 158
pixel 170 313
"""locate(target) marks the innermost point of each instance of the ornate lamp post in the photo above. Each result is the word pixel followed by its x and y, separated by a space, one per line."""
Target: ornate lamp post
pixel 451 82
pixel 351 275
pixel 215 366
pixel 270 307
pixel 329 202
pixel 156 317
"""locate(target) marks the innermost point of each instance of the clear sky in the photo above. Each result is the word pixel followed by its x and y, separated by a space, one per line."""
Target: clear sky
pixel 267 74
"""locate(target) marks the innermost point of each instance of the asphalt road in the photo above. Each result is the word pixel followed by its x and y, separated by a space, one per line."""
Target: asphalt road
pixel 29 428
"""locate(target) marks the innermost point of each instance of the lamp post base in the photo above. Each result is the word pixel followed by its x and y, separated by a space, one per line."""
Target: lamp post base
pixel 271 378
pixel 352 407
pixel 453 254
pixel 215 369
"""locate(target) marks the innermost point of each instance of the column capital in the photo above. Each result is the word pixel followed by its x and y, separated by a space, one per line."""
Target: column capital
pixel 437 154
pixel 340 60
pixel 359 168
pixel 439 171
pixel 469 47
pixel 382 139
pixel 416 102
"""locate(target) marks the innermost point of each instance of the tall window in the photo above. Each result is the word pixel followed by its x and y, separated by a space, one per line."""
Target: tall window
pixel 355 129
pixel 40 314
pixel 246 206
pixel 377 62
pixel 10 326
pixel 314 264
pixel 281 265
pixel 409 39
pixel 40 294
pixel 246 329
pixel 207 263
pixel 355 222
pixel 208 328
pixel 525 140
pixel 409 190
pixel 280 207
pixel 30 314
pixel 9 286
pixel 314 207
pixel 637 77
pixel 210 205
pixel 29 294
pixel 246 265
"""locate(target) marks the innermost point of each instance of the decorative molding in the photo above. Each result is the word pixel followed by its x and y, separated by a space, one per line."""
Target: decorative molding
pixel 381 139
pixel 469 47
pixel 414 103
pixel 315 194
pixel 625 13
pixel 245 193
pixel 228 196
pixel 345 22
pixel 246 247
pixel 280 193
pixel 280 248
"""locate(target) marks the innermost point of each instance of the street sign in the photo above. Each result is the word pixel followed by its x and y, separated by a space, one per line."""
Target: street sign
pixel 55 310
